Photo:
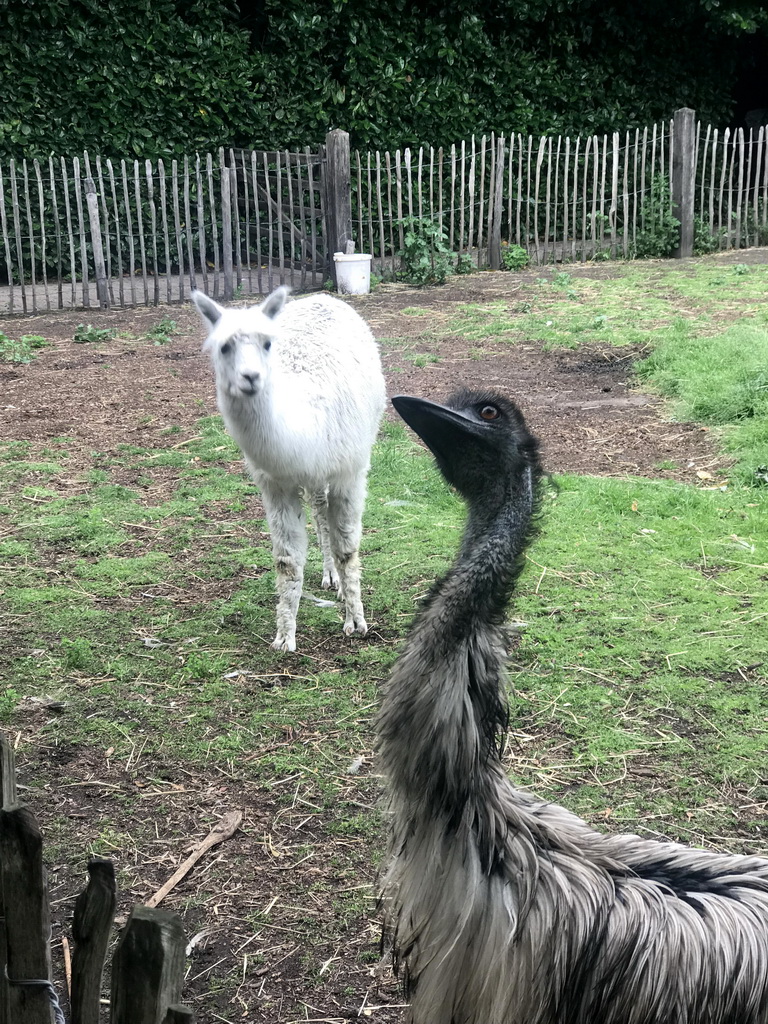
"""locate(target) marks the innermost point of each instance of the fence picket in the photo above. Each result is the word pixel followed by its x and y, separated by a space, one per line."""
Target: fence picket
pixel 177 226
pixel 17 232
pixel 129 226
pixel 31 236
pixel 234 196
pixel 471 190
pixel 91 925
pixel 453 195
pixel 106 234
pixel 147 967
pixel 6 243
pixel 27 919
pixel 214 225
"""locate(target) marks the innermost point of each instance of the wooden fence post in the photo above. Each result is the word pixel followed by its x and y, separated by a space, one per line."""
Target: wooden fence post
pixel 684 176
pixel 494 241
pixel 91 925
pixel 179 1015
pixel 338 195
pixel 147 968
pixel 226 228
pixel 7 798
pixel 92 202
pixel 28 924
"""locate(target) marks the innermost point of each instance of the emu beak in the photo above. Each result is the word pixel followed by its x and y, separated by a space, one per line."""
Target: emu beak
pixel 440 428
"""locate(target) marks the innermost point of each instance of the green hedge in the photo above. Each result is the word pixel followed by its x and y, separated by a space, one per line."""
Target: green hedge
pixel 154 77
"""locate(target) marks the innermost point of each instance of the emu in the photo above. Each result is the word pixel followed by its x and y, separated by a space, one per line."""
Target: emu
pixel 300 388
pixel 500 908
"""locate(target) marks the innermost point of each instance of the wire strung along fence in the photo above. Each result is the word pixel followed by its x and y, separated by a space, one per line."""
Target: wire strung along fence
pixel 93 231
pixel 566 199
pixel 148 963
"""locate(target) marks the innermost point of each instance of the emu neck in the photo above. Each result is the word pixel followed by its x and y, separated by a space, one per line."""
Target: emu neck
pixel 444 711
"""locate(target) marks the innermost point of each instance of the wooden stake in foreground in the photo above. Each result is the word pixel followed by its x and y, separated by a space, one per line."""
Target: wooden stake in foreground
pixel 225 829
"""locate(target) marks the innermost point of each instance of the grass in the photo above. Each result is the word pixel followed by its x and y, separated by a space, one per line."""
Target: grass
pixel 720 380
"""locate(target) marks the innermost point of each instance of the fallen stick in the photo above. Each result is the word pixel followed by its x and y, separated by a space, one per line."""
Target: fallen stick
pixel 225 829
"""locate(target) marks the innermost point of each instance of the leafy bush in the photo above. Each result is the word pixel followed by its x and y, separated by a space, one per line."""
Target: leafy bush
pixel 425 256
pixel 661 234
pixel 514 257
pixel 465 264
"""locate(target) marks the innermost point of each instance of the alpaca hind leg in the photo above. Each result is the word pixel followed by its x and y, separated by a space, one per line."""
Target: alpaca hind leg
pixel 285 515
pixel 345 513
pixel 319 503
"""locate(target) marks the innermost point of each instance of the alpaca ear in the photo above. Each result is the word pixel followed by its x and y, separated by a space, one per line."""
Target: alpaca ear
pixel 272 305
pixel 209 310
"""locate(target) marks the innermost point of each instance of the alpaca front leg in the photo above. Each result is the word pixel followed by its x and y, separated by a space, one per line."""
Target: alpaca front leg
pixel 319 503
pixel 285 515
pixel 345 513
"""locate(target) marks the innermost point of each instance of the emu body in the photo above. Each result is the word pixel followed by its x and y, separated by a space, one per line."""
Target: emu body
pixel 300 389
pixel 500 908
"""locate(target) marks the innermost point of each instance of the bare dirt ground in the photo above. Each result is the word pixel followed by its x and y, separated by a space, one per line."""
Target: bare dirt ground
pixel 591 418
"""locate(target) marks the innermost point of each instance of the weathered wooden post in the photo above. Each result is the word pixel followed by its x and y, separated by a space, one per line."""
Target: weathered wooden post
pixel 226 228
pixel 338 195
pixel 91 925
pixel 92 202
pixel 27 919
pixel 494 241
pixel 179 1015
pixel 7 798
pixel 147 968
pixel 684 176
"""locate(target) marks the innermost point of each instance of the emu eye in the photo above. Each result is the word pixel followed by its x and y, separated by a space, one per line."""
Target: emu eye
pixel 267 345
pixel 226 348
pixel 489 412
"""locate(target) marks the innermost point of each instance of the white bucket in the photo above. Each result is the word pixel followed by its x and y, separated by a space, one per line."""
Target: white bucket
pixel 353 273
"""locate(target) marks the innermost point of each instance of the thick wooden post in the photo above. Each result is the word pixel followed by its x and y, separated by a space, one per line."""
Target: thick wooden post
pixel 7 798
pixel 338 195
pixel 27 919
pixel 147 968
pixel 684 176
pixel 91 925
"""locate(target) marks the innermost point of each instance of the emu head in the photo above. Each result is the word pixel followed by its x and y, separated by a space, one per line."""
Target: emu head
pixel 239 341
pixel 479 440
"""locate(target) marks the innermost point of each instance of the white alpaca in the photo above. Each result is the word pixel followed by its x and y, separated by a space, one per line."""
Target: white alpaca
pixel 300 388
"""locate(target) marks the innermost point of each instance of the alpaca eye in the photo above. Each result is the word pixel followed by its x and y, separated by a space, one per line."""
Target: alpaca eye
pixel 226 348
pixel 489 412
pixel 267 345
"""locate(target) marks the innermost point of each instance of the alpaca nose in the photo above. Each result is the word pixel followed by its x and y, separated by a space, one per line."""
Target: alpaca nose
pixel 249 382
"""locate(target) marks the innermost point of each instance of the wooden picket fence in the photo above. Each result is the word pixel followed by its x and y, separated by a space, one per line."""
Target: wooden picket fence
pixel 96 232
pixel 148 963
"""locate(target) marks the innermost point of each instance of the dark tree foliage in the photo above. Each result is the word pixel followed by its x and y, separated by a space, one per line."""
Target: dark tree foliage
pixel 154 77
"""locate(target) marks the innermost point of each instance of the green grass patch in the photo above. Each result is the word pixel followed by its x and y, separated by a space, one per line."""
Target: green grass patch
pixel 720 380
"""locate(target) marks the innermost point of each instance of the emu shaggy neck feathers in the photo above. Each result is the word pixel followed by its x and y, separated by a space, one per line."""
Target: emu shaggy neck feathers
pixel 502 909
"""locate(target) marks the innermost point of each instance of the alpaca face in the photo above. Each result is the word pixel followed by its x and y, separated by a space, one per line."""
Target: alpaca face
pixel 239 341
pixel 242 363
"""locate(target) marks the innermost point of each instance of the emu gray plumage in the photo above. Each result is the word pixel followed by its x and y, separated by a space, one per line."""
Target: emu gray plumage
pixel 499 908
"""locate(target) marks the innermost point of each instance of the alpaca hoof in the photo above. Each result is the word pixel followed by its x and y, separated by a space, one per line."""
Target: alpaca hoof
pixel 330 580
pixel 284 643
pixel 355 626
